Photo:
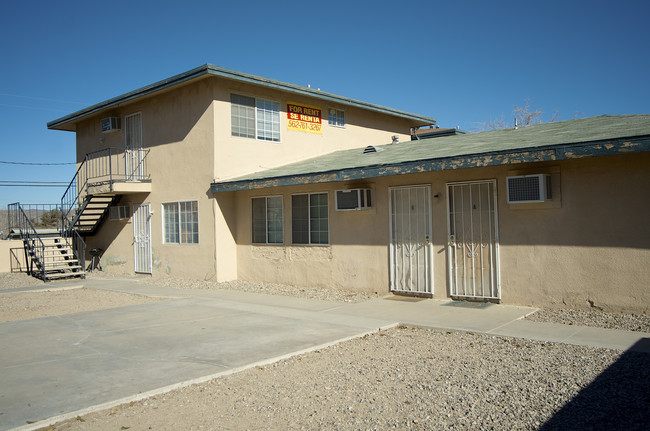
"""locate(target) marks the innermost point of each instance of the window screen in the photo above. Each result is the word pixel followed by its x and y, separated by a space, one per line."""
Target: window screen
pixel 310 219
pixel 181 222
pixel 267 220
pixel 242 114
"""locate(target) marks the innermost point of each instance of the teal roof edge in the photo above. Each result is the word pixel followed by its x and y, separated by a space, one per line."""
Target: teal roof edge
pixel 209 69
pixel 493 158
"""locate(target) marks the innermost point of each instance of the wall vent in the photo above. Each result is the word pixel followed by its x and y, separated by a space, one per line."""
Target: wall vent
pixel 120 212
pixel 354 199
pixel 111 124
pixel 529 188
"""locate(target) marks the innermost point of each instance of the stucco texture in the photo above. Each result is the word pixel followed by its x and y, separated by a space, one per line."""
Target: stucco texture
pixel 589 247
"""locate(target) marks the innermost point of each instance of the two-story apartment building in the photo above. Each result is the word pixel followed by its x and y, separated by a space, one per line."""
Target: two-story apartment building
pixel 166 143
pixel 220 175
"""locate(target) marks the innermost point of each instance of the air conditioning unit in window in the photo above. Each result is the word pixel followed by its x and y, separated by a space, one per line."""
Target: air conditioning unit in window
pixel 111 124
pixel 529 188
pixel 120 212
pixel 354 199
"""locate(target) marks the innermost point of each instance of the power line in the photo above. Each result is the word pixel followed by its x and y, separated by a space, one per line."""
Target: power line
pixel 32 107
pixel 33 185
pixel 33 182
pixel 36 164
pixel 42 98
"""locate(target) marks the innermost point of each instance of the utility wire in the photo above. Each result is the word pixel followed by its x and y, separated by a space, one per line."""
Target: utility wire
pixel 33 185
pixel 42 98
pixel 36 164
pixel 33 182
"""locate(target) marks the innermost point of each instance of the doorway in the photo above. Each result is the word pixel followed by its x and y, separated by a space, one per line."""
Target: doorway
pixel 473 242
pixel 410 239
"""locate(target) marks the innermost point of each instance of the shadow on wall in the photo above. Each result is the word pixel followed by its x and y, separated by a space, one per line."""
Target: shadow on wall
pixel 618 399
pixel 109 232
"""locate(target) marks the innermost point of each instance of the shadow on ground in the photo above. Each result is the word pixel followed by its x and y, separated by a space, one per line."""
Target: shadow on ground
pixel 618 399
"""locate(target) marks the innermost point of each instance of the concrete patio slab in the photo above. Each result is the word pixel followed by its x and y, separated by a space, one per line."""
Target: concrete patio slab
pixel 63 365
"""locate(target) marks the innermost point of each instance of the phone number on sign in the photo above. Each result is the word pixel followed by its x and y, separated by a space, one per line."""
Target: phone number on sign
pixel 312 127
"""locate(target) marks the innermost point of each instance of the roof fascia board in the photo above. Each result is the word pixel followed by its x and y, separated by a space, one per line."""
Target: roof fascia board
pixel 157 86
pixel 496 158
pixel 209 69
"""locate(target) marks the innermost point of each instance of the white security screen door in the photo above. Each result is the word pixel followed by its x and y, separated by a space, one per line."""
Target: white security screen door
pixel 410 239
pixel 133 154
pixel 473 240
pixel 142 238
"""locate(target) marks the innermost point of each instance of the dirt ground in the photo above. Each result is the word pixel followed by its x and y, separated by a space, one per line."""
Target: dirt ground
pixel 404 378
pixel 30 305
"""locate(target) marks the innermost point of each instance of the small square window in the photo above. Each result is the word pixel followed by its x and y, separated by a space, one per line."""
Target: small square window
pixel 336 117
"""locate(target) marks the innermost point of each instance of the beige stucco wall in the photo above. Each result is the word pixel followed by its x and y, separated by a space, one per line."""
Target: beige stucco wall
pixel 188 133
pixel 6 247
pixel 177 129
pixel 589 247
pixel 236 156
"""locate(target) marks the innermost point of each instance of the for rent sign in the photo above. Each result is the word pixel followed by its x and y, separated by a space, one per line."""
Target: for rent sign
pixel 304 118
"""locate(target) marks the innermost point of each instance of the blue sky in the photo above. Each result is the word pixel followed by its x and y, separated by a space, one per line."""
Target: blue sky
pixel 461 62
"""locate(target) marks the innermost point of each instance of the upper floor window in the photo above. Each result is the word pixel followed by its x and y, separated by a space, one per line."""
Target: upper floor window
pixel 267 220
pixel 310 219
pixel 181 222
pixel 255 118
pixel 336 117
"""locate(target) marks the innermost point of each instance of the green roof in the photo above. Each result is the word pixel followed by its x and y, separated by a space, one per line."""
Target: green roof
pixel 67 122
pixel 587 137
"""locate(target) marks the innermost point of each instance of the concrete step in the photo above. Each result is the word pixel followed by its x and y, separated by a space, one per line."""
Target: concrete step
pixel 54 276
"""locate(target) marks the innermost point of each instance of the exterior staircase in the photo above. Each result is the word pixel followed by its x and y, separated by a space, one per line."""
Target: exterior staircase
pixel 48 254
pixel 92 212
pixel 102 177
pixel 56 260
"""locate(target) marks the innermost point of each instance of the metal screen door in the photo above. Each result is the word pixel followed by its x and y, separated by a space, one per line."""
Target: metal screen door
pixel 133 154
pixel 473 240
pixel 142 238
pixel 410 239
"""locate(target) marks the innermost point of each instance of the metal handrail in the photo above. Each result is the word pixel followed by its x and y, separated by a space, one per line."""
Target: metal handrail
pixel 30 238
pixel 104 166
pixel 42 216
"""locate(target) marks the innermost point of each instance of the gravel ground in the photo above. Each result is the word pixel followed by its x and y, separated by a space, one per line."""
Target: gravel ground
pixel 404 378
pixel 337 295
pixel 600 319
pixel 12 280
pixel 409 378
pixel 30 305
pixel 597 318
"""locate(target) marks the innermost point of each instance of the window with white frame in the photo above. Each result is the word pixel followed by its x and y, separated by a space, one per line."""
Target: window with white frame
pixel 336 117
pixel 255 118
pixel 267 220
pixel 310 218
pixel 181 222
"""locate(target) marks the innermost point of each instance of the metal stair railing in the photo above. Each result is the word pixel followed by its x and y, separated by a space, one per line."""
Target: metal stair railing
pixel 105 166
pixel 34 246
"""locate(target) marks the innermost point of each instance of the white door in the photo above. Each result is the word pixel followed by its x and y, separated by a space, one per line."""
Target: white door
pixel 142 238
pixel 133 154
pixel 410 239
pixel 473 244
